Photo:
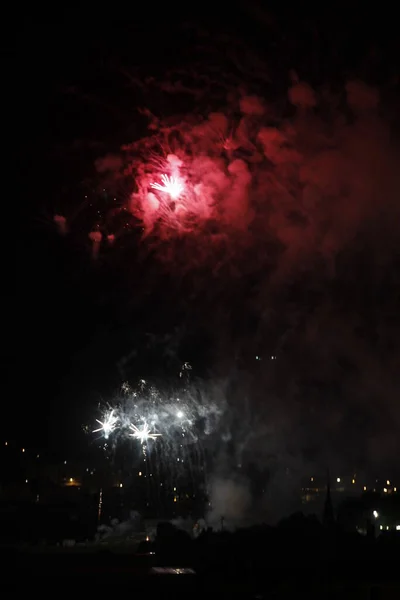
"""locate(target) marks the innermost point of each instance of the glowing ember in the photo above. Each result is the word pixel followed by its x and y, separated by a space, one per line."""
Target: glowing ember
pixel 172 186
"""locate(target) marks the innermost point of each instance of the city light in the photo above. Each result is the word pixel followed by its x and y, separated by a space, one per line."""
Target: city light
pixel 71 479
pixel 376 514
pixel 120 485
pixel 140 473
pixel 23 449
pixel 387 482
pixel 385 490
pixel 353 481
pixel 338 479
pixel 397 527
pixel 365 488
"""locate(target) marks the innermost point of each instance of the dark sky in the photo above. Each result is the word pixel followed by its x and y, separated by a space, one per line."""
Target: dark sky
pixel 72 103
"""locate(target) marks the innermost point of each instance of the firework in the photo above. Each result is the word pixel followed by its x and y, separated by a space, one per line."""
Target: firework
pixel 108 425
pixel 144 433
pixel 173 186
pixel 144 413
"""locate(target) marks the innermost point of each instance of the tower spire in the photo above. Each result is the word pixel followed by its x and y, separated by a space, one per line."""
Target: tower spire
pixel 328 517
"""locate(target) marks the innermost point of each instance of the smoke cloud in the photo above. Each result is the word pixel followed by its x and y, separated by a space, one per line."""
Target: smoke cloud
pixel 283 249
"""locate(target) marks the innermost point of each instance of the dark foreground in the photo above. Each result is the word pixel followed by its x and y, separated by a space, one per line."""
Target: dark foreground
pixel 299 559
pixel 142 576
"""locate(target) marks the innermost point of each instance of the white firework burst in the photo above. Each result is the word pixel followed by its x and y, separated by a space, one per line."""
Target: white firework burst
pixel 144 433
pixel 108 425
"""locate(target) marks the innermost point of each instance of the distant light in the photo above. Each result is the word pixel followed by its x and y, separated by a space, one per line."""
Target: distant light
pixel 385 490
pixel 120 485
pixel 147 538
pixel 381 527
pixel 353 481
pixel 140 473
pixel 26 481
pixel 376 514
pixel 71 479
pixel 23 449
pixel 179 414
pixel 311 478
pixel 174 489
pixel 397 527
pixel 175 498
pixel 37 455
pixel 273 357
pixel 365 488
pixel 387 482
pixel 395 489
pixel 65 462
pixel 338 479
pixel 258 358
pixel 6 444
pixel 387 527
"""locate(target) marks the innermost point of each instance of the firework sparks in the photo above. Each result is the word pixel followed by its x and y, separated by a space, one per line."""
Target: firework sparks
pixel 145 413
pixel 173 186
pixel 108 425
pixel 144 433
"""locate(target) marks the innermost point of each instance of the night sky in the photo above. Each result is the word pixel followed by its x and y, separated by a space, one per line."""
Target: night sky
pixel 326 307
